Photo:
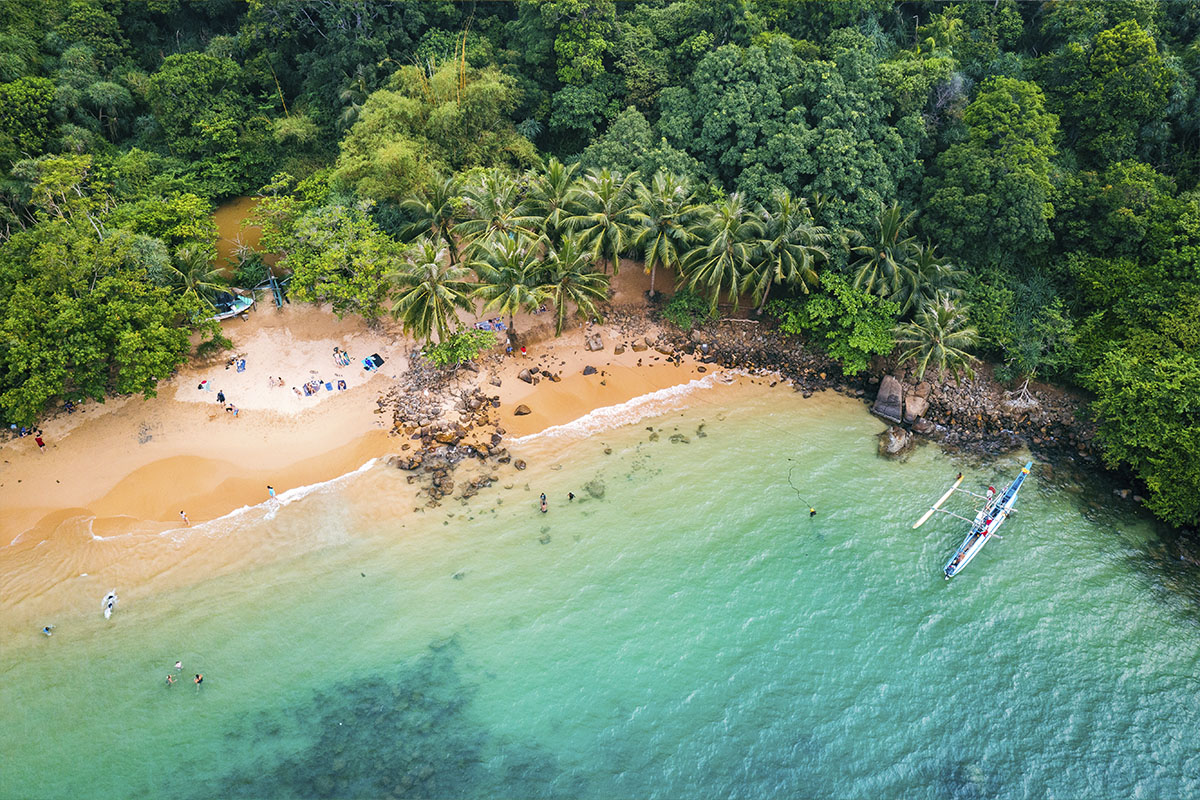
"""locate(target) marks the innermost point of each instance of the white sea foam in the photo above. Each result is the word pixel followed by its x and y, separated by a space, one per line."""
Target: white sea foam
pixel 269 508
pixel 628 413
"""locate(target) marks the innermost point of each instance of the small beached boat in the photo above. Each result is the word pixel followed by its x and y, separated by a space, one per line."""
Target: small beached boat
pixel 231 303
pixel 997 507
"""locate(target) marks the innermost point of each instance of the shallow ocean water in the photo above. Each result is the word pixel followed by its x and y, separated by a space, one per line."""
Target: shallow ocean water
pixel 689 633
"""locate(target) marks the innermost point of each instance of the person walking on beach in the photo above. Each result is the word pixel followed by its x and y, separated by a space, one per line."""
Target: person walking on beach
pixel 41 444
pixel 185 519
pixel 544 503
pixel 271 491
pixel 221 396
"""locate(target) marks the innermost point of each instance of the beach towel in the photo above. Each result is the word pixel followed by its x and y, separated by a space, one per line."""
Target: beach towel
pixel 241 365
pixel 341 385
pixel 368 364
pixel 329 386
pixel 307 391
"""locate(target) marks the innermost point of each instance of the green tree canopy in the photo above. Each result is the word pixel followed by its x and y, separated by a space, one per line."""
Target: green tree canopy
pixel 427 123
pixel 339 256
pixel 989 198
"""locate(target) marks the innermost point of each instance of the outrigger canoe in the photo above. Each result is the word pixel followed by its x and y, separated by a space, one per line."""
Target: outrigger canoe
pixel 995 511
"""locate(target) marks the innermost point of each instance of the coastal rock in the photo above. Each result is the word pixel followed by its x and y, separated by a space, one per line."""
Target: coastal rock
pixel 666 351
pixel 519 463
pixel 522 410
pixel 594 342
pixel 495 382
pixel 595 488
pixel 525 376
pixel 888 402
pixel 914 407
pixel 895 442
pixel 923 389
pixel 649 342
pixel 589 370
pixel 638 347
pixel 923 427
pixel 618 350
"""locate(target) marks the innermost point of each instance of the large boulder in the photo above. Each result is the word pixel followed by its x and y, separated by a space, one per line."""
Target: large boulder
pixel 525 376
pixel 889 402
pixel 522 410
pixel 895 442
pixel 914 407
pixel 594 342
pixel 589 370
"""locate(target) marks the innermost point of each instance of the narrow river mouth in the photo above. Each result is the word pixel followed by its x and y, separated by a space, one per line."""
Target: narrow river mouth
pixel 233 235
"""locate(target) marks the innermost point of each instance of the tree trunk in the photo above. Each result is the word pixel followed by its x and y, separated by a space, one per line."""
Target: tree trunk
pixel 758 311
pixel 653 269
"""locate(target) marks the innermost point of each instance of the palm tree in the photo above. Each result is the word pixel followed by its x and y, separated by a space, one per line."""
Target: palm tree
pixel 606 202
pixel 431 288
pixel 924 278
pixel 731 235
pixel 435 212
pixel 568 277
pixel 938 337
pixel 881 259
pixel 507 267
pixel 495 207
pixel 553 198
pixel 792 243
pixel 664 222
pixel 195 273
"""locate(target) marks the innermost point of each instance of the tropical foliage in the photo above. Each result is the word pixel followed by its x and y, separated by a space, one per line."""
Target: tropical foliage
pixel 858 168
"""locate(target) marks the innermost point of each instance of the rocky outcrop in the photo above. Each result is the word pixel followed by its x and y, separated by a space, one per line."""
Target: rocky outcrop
pixel 914 407
pixel 888 403
pixel 522 410
pixel 589 370
pixel 895 442
pixel 594 342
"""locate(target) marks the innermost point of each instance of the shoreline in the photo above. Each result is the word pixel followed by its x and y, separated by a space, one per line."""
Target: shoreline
pixel 116 474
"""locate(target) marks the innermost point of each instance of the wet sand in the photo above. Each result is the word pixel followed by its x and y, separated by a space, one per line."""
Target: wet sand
pixel 115 473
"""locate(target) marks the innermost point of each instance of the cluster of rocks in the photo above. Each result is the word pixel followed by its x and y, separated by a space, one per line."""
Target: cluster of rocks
pixel 978 413
pixel 445 426
pixel 755 347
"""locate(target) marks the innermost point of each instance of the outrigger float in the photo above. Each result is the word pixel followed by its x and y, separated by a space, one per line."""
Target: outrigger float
pixel 997 507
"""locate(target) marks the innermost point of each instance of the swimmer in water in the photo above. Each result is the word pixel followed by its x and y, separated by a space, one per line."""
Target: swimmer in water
pixel 170 680
pixel 812 512
pixel 48 630
pixel 199 679
pixel 178 665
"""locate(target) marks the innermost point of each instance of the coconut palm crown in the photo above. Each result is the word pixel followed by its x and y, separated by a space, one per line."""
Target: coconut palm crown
pixel 431 289
pixel 939 337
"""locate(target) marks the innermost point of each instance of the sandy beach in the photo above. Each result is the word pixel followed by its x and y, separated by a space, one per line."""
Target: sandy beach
pixel 114 473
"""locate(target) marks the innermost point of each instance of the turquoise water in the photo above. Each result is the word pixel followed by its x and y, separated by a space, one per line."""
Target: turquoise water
pixel 691 633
